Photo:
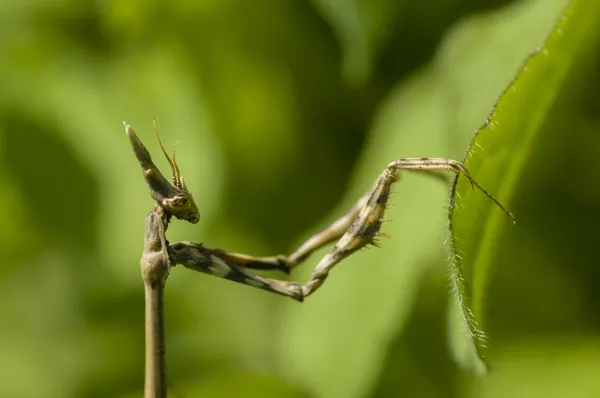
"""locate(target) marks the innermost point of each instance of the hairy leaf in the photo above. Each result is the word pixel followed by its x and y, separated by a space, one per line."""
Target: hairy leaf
pixel 499 155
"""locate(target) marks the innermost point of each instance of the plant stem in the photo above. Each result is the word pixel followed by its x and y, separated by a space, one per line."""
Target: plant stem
pixel 155 385
pixel 155 269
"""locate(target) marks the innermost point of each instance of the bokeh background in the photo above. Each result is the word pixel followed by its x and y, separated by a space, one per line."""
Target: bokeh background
pixel 287 112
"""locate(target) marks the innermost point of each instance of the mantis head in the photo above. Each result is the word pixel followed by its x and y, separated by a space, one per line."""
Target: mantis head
pixel 174 197
pixel 182 204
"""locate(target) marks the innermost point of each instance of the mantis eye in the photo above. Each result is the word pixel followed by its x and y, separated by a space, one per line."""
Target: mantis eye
pixel 180 201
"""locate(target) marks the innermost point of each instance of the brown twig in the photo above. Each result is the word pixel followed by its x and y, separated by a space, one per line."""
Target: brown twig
pixel 155 269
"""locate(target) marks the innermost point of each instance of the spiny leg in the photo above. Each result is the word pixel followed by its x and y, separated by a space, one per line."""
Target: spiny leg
pixel 228 265
pixel 355 230
pixel 282 263
pixel 443 164
pixel 339 227
pixel 367 224
pixel 365 228
pixel 199 258
pixel 279 262
pixel 330 234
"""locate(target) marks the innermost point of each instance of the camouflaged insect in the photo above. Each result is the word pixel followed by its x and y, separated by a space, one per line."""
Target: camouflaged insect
pixel 353 231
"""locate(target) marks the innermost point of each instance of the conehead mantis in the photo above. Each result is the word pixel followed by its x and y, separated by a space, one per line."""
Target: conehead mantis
pixel 358 228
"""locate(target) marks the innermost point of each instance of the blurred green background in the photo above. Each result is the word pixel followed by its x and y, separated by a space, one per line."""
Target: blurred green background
pixel 287 112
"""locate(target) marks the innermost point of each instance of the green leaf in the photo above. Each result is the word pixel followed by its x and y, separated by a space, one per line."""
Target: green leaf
pixel 499 155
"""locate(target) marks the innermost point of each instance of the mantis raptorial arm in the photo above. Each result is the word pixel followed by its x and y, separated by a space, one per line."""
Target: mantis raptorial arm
pixel 285 264
pixel 355 230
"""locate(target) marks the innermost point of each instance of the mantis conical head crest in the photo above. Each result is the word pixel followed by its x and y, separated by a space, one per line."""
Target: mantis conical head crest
pixel 173 197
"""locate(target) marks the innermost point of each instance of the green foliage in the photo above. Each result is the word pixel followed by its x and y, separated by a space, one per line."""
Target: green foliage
pixel 362 27
pixel 502 152
pixel 288 111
